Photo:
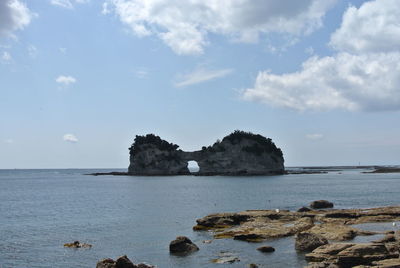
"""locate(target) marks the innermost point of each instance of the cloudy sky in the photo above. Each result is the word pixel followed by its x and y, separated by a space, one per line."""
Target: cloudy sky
pixel 80 78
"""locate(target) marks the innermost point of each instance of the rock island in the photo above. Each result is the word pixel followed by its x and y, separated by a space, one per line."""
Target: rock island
pixel 239 153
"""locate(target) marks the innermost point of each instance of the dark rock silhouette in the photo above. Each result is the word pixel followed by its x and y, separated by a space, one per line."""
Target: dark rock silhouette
pixel 121 262
pixel 321 204
pixel 240 153
pixel 182 246
pixel 266 249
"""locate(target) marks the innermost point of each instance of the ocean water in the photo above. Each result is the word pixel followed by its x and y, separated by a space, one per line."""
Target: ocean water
pixel 40 210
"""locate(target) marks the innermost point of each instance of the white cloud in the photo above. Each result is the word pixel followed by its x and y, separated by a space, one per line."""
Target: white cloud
pixel 374 27
pixel 9 141
pixel 70 138
pixel 184 25
pixel 14 15
pixel 315 136
pixel 362 75
pixel 201 75
pixel 106 9
pixel 65 80
pixel 63 50
pixel 69 4
pixel 62 3
pixel 6 57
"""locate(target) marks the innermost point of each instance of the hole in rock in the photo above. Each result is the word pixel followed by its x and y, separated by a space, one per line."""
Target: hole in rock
pixel 193 167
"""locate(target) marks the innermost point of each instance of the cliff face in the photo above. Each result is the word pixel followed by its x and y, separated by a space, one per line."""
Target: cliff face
pixel 240 153
pixel 150 155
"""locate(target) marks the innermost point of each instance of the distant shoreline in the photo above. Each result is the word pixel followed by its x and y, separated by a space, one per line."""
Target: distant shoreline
pixel 288 171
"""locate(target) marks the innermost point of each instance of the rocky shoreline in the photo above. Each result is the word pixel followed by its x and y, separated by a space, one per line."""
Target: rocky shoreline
pixel 324 234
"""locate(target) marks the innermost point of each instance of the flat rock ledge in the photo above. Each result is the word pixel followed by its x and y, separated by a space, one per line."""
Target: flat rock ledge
pixel 329 228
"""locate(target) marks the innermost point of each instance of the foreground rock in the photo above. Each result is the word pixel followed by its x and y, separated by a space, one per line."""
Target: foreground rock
pixel 77 244
pixel 182 245
pixel 121 262
pixel 321 204
pixel 349 255
pixel 320 226
pixel 239 153
pixel 309 241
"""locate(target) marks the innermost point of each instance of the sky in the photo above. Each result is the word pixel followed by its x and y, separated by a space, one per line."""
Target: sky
pixel 80 78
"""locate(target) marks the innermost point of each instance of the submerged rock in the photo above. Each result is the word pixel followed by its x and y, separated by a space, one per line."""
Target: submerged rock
pixel 121 262
pixel 266 249
pixel 309 241
pixel 77 244
pixel 182 245
pixel 226 257
pixel 321 204
pixel 240 153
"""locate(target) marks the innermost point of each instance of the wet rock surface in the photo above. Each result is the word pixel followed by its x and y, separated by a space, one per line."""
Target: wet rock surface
pixel 309 241
pixel 77 244
pixel 226 258
pixel 182 246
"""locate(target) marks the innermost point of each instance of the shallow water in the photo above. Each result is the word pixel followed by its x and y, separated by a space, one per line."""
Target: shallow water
pixel 40 210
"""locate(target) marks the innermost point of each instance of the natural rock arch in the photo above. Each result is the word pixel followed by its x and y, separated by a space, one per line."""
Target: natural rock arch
pixel 239 153
pixel 193 166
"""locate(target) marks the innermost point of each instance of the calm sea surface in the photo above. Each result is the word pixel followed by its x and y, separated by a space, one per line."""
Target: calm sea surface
pixel 40 210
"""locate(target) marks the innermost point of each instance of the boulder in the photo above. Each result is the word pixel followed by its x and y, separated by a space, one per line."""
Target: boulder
pixel 182 245
pixel 106 263
pixel 266 249
pixel 309 241
pixel 124 262
pixel 121 262
pixel 321 204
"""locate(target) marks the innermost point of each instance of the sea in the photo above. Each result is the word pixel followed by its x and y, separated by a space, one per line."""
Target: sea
pixel 40 210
